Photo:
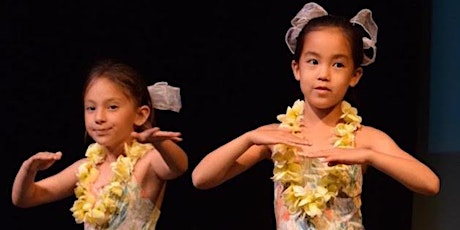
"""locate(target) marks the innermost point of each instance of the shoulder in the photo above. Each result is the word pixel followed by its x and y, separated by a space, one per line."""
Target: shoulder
pixel 145 166
pixel 368 136
pixel 149 156
pixel 148 161
pixel 78 163
pixel 369 130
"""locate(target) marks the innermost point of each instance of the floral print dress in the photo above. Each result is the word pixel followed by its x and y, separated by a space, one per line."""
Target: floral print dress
pixel 341 212
pixel 135 212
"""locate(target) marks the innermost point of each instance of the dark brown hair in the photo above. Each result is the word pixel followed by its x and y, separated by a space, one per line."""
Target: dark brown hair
pixel 352 33
pixel 127 78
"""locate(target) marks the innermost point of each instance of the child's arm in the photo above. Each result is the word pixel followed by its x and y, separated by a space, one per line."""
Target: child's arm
pixel 389 158
pixel 28 193
pixel 174 160
pixel 377 149
pixel 240 154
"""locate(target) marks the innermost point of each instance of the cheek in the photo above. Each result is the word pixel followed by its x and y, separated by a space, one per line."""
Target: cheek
pixel 89 118
pixel 306 81
pixel 127 120
pixel 305 88
pixel 87 125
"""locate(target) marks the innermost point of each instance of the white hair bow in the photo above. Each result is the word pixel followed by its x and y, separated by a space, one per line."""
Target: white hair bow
pixel 165 97
pixel 313 10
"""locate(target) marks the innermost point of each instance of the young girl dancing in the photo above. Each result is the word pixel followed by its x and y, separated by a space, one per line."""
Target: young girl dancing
pixel 320 148
pixel 121 182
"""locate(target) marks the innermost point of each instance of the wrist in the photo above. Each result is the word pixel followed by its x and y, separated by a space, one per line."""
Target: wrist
pixel 27 167
pixel 248 138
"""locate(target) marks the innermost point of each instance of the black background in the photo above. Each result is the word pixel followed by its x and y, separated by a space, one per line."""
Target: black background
pixel 230 60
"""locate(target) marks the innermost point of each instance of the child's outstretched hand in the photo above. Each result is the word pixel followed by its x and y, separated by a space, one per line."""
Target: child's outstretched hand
pixel 336 156
pixel 155 134
pixel 42 160
pixel 273 134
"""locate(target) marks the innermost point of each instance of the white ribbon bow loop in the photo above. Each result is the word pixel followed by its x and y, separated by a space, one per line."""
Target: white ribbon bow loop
pixel 165 97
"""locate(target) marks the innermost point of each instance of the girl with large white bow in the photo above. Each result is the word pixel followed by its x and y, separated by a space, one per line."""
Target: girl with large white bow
pixel 320 149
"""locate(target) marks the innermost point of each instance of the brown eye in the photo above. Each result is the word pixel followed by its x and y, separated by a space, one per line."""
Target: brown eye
pixel 313 61
pixel 339 65
pixel 113 107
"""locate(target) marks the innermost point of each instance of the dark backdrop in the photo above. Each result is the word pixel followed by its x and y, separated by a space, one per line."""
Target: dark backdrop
pixel 232 65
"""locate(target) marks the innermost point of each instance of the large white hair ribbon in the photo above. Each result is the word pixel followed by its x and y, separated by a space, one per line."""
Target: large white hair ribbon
pixel 313 10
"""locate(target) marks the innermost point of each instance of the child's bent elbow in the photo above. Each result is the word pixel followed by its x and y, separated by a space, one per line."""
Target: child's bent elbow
pixel 200 182
pixel 432 188
pixel 201 186
pixel 19 203
pixel 435 188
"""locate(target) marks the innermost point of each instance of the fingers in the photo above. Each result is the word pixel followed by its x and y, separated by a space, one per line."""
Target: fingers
pixel 176 139
pixel 47 156
pixel 167 134
pixel 43 160
pixel 155 134
pixel 297 142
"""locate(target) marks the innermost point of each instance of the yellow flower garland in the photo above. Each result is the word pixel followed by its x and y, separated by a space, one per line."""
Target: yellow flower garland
pixel 289 170
pixel 98 210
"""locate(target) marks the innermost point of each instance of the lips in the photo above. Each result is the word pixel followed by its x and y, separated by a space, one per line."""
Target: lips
pixel 101 132
pixel 322 88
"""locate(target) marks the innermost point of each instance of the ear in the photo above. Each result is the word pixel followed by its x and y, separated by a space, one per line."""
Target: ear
pixel 142 115
pixel 358 72
pixel 295 69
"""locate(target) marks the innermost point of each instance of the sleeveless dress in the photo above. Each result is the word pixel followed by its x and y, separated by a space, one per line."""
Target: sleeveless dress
pixel 341 213
pixel 135 212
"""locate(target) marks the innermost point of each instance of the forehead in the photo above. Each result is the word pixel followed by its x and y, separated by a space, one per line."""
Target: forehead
pixel 327 39
pixel 103 87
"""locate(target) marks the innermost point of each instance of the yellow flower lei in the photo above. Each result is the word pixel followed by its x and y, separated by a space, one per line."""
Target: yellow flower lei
pixel 98 210
pixel 298 197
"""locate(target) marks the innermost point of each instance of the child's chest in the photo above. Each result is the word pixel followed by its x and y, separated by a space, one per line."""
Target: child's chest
pixel 318 140
pixel 104 177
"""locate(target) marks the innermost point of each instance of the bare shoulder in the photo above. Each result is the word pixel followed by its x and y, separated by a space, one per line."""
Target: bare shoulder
pixel 77 164
pixel 368 135
pixel 147 164
pixel 149 157
pixel 73 168
pixel 378 141
pixel 369 130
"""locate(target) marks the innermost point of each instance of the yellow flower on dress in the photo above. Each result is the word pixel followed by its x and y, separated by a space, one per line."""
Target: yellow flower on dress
pixel 98 210
pixel 301 197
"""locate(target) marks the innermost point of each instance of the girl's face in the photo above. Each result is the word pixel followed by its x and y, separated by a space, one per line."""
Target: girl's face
pixel 110 115
pixel 325 69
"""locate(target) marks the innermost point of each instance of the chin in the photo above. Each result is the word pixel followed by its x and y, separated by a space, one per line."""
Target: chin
pixel 323 104
pixel 102 140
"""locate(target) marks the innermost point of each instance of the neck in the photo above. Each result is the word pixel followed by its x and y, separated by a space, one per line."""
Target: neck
pixel 314 116
pixel 112 152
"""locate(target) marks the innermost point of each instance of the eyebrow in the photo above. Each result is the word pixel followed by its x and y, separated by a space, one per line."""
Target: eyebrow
pixel 336 56
pixel 110 100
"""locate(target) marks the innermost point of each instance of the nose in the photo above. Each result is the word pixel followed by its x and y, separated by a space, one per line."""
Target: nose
pixel 324 73
pixel 100 116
